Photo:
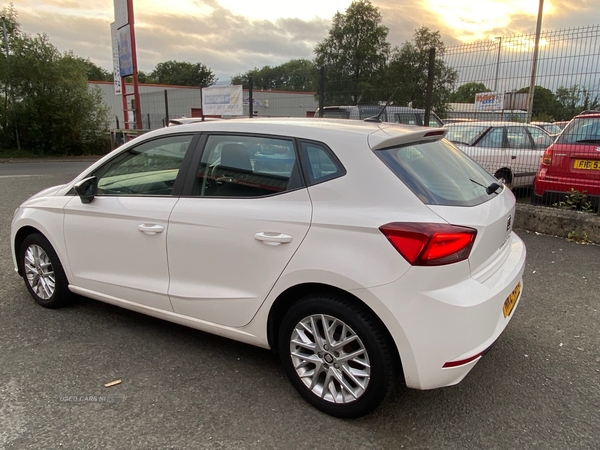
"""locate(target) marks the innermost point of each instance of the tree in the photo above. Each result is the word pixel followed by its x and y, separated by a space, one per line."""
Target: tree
pixel 466 92
pixel 48 108
pixel 573 101
pixel 355 54
pixel 144 77
pixel 296 75
pixel 93 72
pixel 545 105
pixel 183 74
pixel 409 67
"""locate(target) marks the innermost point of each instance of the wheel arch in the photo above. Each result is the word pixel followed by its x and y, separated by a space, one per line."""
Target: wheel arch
pixel 20 236
pixel 293 294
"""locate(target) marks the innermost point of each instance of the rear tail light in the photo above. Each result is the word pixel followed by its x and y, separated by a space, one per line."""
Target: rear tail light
pixel 430 244
pixel 547 158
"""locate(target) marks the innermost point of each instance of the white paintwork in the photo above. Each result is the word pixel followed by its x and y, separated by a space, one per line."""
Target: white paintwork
pixel 109 254
pixel 219 271
pixel 213 258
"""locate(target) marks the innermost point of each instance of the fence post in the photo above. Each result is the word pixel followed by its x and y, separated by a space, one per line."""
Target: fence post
pixel 149 127
pixel 429 91
pixel 250 98
pixel 166 107
pixel 321 90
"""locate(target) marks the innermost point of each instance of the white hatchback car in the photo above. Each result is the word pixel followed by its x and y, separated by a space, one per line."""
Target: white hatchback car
pixel 359 251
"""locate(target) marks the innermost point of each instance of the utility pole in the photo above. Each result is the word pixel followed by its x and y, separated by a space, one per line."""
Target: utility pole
pixel 499 38
pixel 536 50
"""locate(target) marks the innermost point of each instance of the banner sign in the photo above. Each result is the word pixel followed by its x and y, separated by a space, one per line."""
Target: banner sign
pixel 222 101
pixel 489 101
pixel 121 14
pixel 115 50
pixel 125 53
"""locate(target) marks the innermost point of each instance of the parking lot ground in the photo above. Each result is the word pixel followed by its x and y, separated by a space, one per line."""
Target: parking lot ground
pixel 538 388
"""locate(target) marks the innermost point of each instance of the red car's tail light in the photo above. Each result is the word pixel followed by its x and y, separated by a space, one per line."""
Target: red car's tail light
pixel 547 158
pixel 430 244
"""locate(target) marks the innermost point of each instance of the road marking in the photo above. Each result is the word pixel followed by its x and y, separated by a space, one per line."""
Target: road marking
pixel 19 176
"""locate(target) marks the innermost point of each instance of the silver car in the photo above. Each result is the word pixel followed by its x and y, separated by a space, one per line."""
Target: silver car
pixel 509 151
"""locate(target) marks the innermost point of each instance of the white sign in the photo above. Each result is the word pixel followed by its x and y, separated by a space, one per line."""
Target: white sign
pixel 222 101
pixel 115 50
pixel 121 14
pixel 489 101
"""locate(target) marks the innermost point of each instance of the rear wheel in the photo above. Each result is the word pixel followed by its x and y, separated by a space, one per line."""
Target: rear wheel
pixel 336 356
pixel 43 273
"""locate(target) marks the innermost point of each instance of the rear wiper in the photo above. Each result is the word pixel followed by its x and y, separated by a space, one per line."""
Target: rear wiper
pixel 489 190
pixel 591 141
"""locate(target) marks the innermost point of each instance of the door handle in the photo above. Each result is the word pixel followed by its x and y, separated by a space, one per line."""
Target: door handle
pixel 513 157
pixel 273 238
pixel 151 228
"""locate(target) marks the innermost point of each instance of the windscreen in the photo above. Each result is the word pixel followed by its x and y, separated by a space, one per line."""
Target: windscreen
pixel 438 173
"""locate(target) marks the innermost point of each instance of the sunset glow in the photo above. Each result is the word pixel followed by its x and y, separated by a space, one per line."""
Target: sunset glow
pixel 474 20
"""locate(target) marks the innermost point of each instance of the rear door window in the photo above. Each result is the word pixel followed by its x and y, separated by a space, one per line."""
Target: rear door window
pixel 492 139
pixel 246 166
pixel 438 173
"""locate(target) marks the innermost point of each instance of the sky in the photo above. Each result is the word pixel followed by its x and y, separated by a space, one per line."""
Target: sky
pixel 232 37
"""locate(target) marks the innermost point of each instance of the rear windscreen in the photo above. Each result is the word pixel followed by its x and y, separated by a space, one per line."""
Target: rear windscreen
pixel 438 173
pixel 583 131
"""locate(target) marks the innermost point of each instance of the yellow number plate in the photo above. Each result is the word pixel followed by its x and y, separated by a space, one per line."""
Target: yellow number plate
pixel 510 302
pixel 586 164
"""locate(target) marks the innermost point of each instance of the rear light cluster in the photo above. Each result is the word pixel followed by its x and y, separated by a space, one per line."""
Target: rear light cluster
pixel 430 244
pixel 547 158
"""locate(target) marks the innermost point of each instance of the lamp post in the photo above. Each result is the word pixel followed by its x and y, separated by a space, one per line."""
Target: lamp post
pixel 499 38
pixel 536 49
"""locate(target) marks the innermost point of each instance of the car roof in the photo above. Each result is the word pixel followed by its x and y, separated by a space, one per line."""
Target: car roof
pixel 378 134
pixel 586 114
pixel 489 123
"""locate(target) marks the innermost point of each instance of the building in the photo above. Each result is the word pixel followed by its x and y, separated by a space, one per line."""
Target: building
pixel 159 103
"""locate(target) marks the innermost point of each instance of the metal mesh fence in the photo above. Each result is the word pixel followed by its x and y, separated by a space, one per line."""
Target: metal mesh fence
pixel 567 83
pixel 567 77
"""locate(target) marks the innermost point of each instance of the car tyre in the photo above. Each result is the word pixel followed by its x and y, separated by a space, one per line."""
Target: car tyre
pixel 337 356
pixel 43 273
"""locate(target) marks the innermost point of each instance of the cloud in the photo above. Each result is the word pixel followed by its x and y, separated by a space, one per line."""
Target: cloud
pixel 235 41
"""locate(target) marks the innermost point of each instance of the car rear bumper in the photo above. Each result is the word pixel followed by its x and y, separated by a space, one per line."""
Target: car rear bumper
pixel 442 333
pixel 548 186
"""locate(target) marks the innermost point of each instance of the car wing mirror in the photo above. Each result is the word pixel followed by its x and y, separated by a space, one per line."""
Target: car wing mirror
pixel 87 189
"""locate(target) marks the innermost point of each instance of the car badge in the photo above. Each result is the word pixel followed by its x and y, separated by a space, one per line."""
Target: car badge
pixel 508 223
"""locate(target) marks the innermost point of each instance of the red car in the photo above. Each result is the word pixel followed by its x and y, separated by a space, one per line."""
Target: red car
pixel 571 162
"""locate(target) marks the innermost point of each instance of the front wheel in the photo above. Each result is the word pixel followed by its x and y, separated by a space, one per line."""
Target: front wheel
pixel 43 273
pixel 336 356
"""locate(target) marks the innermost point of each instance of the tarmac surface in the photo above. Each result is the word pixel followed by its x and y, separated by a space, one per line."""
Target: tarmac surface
pixel 538 388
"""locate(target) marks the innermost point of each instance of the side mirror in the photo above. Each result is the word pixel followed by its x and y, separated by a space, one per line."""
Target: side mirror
pixel 87 189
